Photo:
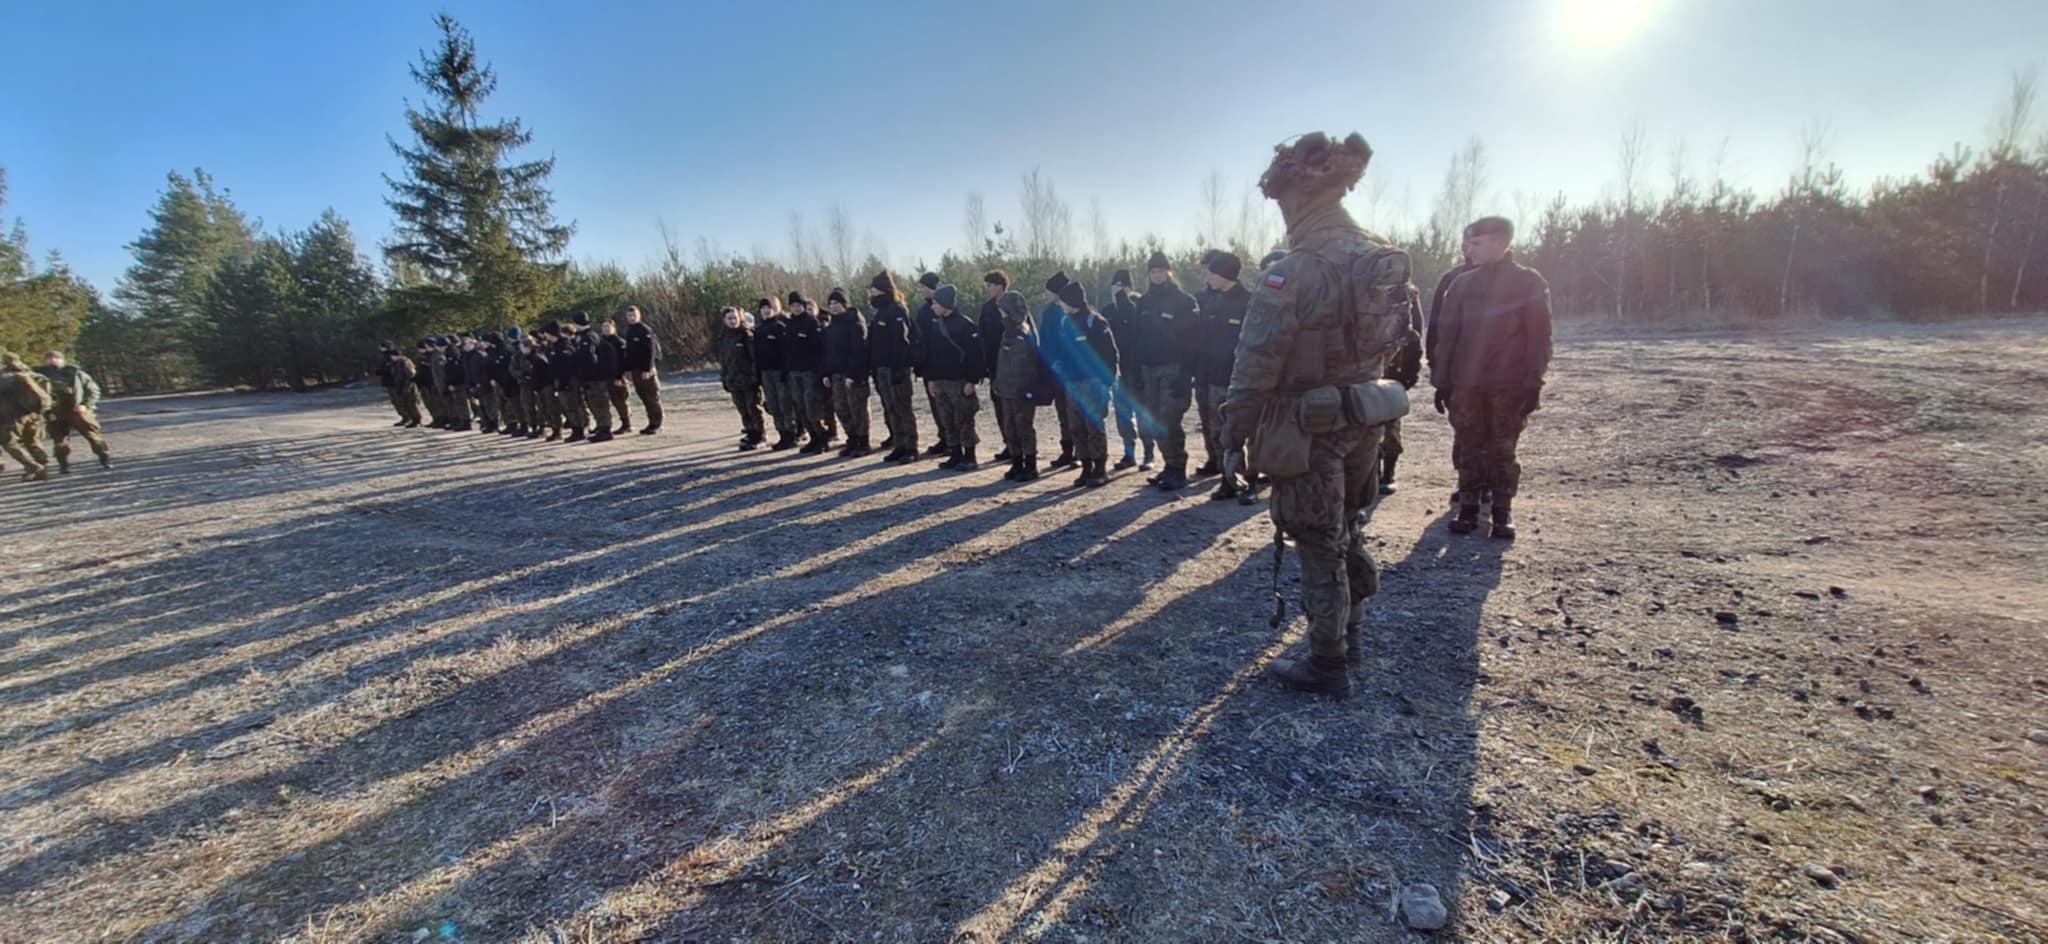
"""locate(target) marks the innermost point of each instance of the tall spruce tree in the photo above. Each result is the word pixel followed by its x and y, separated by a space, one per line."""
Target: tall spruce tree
pixel 194 230
pixel 476 225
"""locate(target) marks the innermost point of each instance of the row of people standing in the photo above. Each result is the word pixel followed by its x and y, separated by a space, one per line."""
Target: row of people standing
pixel 1142 359
pixel 567 378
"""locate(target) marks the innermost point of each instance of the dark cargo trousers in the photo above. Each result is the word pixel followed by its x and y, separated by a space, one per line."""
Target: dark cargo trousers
pixel 895 386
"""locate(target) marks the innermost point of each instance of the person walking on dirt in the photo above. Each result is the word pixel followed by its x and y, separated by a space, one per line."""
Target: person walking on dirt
pixel 1492 349
pixel 24 398
pixel 1304 390
pixel 643 353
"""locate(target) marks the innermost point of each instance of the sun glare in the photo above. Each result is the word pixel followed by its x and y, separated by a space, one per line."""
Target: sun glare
pixel 1602 23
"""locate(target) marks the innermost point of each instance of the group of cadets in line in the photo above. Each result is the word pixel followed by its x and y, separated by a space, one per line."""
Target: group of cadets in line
pixel 564 379
pixel 56 398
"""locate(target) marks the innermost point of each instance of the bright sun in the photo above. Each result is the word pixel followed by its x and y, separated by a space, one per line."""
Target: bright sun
pixel 1601 23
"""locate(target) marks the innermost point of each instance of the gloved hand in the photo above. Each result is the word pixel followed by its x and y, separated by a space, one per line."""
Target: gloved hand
pixel 1443 398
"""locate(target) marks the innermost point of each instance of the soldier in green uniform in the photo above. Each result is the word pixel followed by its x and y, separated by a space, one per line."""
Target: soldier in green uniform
pixel 740 377
pixel 75 400
pixel 1315 339
pixel 399 375
pixel 24 398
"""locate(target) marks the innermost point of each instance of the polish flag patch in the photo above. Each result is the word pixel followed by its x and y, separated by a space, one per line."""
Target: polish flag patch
pixel 1276 280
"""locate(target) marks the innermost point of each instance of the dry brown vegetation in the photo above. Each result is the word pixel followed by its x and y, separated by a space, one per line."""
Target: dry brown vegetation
pixel 1766 664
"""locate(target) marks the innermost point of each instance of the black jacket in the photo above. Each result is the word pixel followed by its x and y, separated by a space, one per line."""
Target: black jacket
pixel 1166 320
pixel 642 349
pixel 451 370
pixel 1222 317
pixel 476 367
pixel 846 346
pixel 611 357
pixel 540 372
pixel 1436 307
pixel 587 354
pixel 803 348
pixel 921 325
pixel 768 338
pixel 951 350
pixel 1122 313
pixel 563 360
pixel 501 367
pixel 891 337
pixel 991 333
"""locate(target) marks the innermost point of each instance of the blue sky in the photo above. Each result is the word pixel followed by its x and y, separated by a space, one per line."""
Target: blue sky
pixel 719 119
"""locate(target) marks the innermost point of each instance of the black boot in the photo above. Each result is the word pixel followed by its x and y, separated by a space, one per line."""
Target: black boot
pixel 1225 491
pixel 1086 478
pixel 1005 456
pixel 1016 468
pixel 1208 467
pixel 1503 518
pixel 575 435
pixel 533 433
pixel 783 441
pixel 401 423
pixel 63 465
pixel 601 436
pixel 1467 520
pixel 858 448
pixel 1387 486
pixel 554 435
pixel 1099 473
pixel 1174 478
pixel 1028 472
pixel 1128 461
pixel 815 447
pixel 649 430
pixel 105 463
pixel 623 429
pixel 1065 460
pixel 1322 675
pixel 953 459
pixel 939 449
pixel 967 463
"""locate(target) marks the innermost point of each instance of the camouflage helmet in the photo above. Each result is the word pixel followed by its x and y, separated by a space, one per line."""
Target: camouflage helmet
pixel 1313 163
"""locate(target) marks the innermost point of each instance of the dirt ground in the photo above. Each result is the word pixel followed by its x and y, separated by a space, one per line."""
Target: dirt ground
pixel 1767 663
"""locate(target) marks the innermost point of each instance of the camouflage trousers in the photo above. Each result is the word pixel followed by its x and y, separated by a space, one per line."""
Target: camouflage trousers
pixel 1222 445
pixel 1125 403
pixel 850 403
pixel 1208 413
pixel 458 406
pixel 1390 444
pixel 615 390
pixel 747 401
pixel 403 399
pixel 956 409
pixel 432 402
pixel 1085 409
pixel 62 422
pixel 810 403
pixel 597 400
pixel 1060 397
pixel 530 405
pixel 1320 511
pixel 649 390
pixel 1165 402
pixel 894 385
pixel 22 438
pixel 1017 420
pixel 569 393
pixel 489 404
pixel 1486 426
pixel 775 391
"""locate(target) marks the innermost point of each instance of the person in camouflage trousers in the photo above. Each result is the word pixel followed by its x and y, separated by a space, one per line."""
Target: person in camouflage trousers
pixel 740 378
pixel 1492 350
pixel 536 388
pixel 892 352
pixel 74 407
pixel 24 398
pixel 846 367
pixel 568 374
pixel 430 395
pixel 1080 351
pixel 951 359
pixel 1166 319
pixel 399 375
pixel 1320 323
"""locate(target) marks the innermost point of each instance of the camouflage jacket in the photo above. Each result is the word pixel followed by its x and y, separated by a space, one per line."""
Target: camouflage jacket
pixel 1495 331
pixel 736 369
pixel 22 393
pixel 1330 312
pixel 70 387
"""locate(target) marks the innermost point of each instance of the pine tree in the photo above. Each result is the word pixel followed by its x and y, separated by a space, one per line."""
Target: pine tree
pixel 337 296
pixel 194 230
pixel 469 220
pixel 39 310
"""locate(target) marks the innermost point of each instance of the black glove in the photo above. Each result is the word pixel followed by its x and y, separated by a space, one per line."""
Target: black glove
pixel 1443 398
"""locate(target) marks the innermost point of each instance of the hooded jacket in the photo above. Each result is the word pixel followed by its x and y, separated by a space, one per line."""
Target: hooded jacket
pixel 846 346
pixel 611 357
pixel 892 338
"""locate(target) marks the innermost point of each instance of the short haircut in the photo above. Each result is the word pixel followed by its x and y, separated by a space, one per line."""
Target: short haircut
pixel 1489 225
pixel 997 277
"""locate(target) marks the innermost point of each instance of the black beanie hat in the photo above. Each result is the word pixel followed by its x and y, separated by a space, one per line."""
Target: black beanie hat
pixel 797 298
pixel 1226 264
pixel 929 280
pixel 882 283
pixel 838 295
pixel 1011 303
pixel 1122 277
pixel 1058 281
pixel 1158 261
pixel 552 327
pixel 947 297
pixel 1075 294
pixel 582 319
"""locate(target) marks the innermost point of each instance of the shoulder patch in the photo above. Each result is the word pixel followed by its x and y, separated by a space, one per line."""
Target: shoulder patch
pixel 1275 280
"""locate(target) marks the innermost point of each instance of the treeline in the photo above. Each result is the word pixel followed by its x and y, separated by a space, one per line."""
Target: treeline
pixel 213 299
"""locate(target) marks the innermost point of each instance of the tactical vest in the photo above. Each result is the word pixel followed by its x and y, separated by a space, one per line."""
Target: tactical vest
pixel 1360 317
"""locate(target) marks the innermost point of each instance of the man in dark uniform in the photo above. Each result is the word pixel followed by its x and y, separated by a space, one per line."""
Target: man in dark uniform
pixel 739 376
pixel 951 360
pixel 571 359
pixel 845 367
pixel 771 326
pixel 993 284
pixel 1491 354
pixel 615 385
pixel 921 322
pixel 1429 335
pixel 892 350
pixel 1122 313
pixel 597 364
pixel 1166 317
pixel 540 384
pixel 1315 339
pixel 1047 314
pixel 1223 304
pixel 803 357
pixel 643 355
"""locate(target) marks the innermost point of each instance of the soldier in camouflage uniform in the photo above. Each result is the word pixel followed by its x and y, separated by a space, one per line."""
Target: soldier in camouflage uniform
pixel 568 374
pixel 740 378
pixel 74 403
pixel 24 398
pixel 1321 322
pixel 399 376
pixel 1405 368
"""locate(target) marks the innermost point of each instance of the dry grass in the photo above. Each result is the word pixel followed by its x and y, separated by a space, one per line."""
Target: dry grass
pixel 1764 666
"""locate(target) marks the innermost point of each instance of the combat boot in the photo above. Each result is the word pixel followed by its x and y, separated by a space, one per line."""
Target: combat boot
pixel 967 463
pixel 783 441
pixel 1225 491
pixel 1322 675
pixel 401 424
pixel 1208 467
pixel 63 465
pixel 554 435
pixel 939 449
pixel 812 448
pixel 953 459
pixel 623 429
pixel 1065 460
pixel 1127 461
pixel 1028 472
pixel 601 436
pixel 906 455
pixel 1147 465
pixel 1016 468
pixel 1503 518
pixel 649 430
pixel 533 433
pixel 575 435
pixel 1467 520
pixel 1387 486
pixel 859 448
pixel 1100 476
pixel 1006 455
pixel 106 463
pixel 1174 478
